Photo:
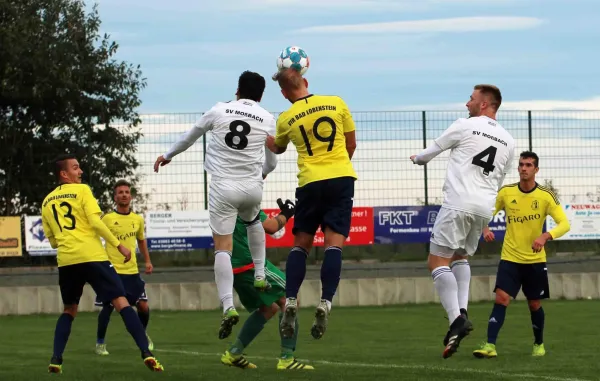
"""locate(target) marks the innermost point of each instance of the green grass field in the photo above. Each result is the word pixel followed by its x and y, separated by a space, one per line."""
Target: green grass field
pixel 399 342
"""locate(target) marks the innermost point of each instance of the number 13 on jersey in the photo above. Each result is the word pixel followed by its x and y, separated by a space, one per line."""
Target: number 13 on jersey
pixel 329 139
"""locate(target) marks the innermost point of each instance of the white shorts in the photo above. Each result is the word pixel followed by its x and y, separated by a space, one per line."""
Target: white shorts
pixel 229 198
pixel 455 231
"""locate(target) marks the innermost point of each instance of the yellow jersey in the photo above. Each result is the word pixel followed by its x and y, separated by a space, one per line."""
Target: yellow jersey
pixel 128 228
pixel 316 125
pixel 525 216
pixel 65 214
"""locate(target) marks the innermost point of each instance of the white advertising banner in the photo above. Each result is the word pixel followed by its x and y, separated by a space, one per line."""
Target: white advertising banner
pixel 584 220
pixel 36 242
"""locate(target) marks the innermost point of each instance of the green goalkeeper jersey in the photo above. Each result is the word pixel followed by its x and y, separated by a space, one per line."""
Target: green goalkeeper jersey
pixel 241 259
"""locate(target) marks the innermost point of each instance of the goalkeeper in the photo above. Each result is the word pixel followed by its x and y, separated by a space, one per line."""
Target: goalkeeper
pixel 261 305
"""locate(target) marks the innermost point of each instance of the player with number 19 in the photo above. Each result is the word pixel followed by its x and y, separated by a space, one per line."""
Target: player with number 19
pixel 481 153
pixel 235 158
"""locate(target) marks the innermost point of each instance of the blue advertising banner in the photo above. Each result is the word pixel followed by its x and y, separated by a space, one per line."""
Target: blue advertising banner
pixel 413 224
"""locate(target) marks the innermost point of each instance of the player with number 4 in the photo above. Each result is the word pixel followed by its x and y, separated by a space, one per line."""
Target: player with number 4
pixel 481 153
pixel 235 158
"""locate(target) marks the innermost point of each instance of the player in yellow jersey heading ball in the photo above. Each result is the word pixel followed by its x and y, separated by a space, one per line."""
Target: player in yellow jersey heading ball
pixel 128 227
pixel 322 129
pixel 71 221
pixel 523 260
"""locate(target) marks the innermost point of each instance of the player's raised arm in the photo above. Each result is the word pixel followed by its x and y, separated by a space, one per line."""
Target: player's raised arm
pixel 273 225
pixel 278 143
pixel 449 139
pixel 201 127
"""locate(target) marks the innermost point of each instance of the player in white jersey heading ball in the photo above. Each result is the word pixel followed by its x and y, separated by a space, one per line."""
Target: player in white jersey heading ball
pixel 237 161
pixel 482 152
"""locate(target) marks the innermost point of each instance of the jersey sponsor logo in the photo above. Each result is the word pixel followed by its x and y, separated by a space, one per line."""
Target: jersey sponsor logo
pixel 523 219
pixel 479 133
pixel 59 197
pixel 123 237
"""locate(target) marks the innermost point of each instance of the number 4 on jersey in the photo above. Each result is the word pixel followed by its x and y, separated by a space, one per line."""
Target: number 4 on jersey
pixel 488 164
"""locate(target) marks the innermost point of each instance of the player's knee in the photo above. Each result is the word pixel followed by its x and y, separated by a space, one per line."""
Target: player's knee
pixel 502 297
pixel 333 238
pixel 142 306
pixel 434 261
pixel 534 305
pixel 71 310
pixel 120 303
pixel 304 240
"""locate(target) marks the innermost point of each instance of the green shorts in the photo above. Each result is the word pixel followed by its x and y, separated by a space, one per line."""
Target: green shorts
pixel 251 298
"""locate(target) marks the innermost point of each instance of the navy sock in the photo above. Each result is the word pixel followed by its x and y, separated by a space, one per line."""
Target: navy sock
pixel 295 271
pixel 495 322
pixel 144 317
pixel 331 270
pixel 103 319
pixel 61 334
pixel 135 328
pixel 537 322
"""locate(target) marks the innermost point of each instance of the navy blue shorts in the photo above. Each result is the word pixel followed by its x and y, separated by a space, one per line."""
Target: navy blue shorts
pixel 531 277
pixel 325 203
pixel 100 275
pixel 135 289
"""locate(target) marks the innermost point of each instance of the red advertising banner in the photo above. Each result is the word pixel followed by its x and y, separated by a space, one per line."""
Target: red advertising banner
pixel 361 230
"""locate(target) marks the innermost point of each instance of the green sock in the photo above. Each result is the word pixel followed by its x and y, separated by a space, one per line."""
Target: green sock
pixel 252 327
pixel 288 346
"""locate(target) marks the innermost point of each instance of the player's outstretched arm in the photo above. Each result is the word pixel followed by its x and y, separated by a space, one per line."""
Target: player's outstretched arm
pixel 427 154
pixel 201 127
pixel 273 225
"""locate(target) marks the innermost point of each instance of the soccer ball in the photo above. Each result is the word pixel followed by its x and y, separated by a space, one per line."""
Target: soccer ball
pixel 293 57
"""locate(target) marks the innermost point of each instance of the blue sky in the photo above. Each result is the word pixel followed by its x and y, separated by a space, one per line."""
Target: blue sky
pixel 376 54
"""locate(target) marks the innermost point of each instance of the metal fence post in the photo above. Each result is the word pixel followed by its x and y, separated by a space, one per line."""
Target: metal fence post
pixel 529 130
pixel 424 118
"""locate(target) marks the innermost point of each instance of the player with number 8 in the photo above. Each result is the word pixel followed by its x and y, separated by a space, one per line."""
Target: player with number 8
pixel 322 129
pixel 238 162
pixel 482 152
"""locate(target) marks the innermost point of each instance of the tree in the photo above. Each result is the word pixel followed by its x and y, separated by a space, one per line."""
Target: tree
pixel 62 90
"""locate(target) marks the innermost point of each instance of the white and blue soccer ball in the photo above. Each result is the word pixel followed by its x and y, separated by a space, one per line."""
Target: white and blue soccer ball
pixel 293 57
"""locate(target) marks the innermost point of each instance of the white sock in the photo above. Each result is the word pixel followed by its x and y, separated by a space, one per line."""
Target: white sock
pixel 224 278
pixel 328 305
pixel 257 245
pixel 462 273
pixel 447 289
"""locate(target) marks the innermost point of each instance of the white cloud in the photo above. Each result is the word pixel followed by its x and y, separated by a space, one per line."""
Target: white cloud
pixel 457 25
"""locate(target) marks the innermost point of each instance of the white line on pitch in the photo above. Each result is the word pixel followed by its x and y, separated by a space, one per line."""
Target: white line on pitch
pixel 396 366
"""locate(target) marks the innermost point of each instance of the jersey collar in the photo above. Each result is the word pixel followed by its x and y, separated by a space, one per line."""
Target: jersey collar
pixel 123 214
pixel 532 189
pixel 303 98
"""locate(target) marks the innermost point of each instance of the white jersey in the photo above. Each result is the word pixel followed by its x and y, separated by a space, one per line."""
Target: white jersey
pixel 236 149
pixel 482 152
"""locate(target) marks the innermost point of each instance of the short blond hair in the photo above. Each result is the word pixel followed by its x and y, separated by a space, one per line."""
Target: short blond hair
pixel 492 91
pixel 289 79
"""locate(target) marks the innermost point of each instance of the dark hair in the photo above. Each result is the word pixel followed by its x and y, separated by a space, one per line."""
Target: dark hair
pixel 492 91
pixel 60 163
pixel 531 155
pixel 251 86
pixel 121 183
